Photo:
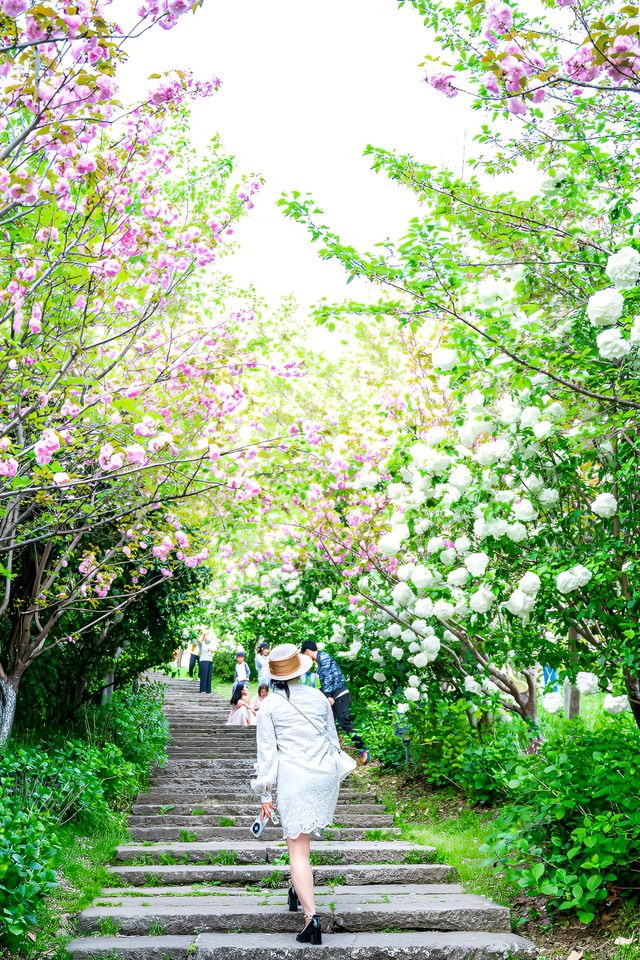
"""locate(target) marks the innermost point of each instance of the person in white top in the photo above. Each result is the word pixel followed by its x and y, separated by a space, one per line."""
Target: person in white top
pixel 258 700
pixel 206 664
pixel 262 663
pixel 243 671
pixel 297 748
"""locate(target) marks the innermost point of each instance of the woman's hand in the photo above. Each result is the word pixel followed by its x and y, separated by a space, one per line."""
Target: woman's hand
pixel 266 811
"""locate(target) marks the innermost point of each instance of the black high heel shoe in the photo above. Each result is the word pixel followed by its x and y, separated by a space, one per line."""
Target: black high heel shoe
pixel 312 933
pixel 294 903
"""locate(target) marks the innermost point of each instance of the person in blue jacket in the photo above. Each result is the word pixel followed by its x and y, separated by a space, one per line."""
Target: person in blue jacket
pixel 334 687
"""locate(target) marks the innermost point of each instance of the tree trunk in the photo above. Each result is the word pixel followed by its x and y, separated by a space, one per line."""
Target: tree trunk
pixel 571 701
pixel 8 701
pixel 632 684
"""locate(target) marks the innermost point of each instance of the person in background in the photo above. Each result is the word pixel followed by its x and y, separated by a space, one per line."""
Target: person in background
pixel 262 663
pixel 206 664
pixel 194 657
pixel 334 687
pixel 241 714
pixel 242 671
pixel 260 697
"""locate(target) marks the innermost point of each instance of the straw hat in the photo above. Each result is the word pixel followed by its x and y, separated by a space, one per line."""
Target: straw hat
pixel 286 662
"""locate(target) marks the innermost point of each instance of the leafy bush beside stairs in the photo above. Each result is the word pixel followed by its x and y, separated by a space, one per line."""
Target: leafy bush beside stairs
pixel 45 785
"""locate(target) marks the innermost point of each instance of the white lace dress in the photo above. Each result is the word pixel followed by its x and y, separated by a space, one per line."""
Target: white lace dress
pixel 297 759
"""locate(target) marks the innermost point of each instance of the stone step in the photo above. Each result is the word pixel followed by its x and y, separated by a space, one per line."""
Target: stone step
pixel 256 851
pixel 367 821
pixel 340 910
pixel 241 809
pixel 474 945
pixel 221 795
pixel 278 875
pixel 211 832
pixel 136 897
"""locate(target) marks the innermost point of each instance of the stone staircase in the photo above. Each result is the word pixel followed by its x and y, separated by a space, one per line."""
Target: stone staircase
pixel 195 884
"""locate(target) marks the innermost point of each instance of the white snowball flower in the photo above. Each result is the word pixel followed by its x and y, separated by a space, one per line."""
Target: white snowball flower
pixel 530 415
pixel 530 583
pixel 419 627
pixel 412 694
pixel 424 607
pixel 634 333
pixel 379 677
pixel 492 451
pixel 462 544
pixel 404 571
pixel 476 564
pixel 394 630
pixel 605 505
pixel 520 604
pixel 402 594
pixel 461 477
pixel 516 532
pixel 471 685
pixel 553 702
pixel 524 510
pixel 542 429
pixel 444 359
pixel 587 683
pixel 402 707
pixel 448 556
pixel 482 600
pixel 549 497
pixel 612 345
pixel 421 660
pixel 555 410
pixel 408 636
pixel 470 430
pixel 435 544
pixel 458 577
pixel 570 580
pixel 507 411
pixel 615 705
pixel 391 542
pixel 376 656
pixel 430 648
pixel 605 307
pixel 623 267
pixel 443 610
pixel 397 653
pixel 422 578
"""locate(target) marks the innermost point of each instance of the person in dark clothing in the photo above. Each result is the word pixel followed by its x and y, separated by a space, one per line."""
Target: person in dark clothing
pixel 334 687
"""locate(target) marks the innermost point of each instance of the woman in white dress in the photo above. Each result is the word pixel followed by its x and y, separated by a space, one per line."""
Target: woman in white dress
pixel 297 749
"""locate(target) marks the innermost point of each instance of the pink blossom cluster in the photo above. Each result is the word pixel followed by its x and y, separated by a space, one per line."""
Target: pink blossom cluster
pixel 516 67
pixel 442 82
pixel 499 20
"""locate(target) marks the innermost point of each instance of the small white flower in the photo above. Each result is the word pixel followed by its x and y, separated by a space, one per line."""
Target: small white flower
pixel 587 683
pixel 462 544
pixel 623 267
pixel 471 685
pixel 412 694
pixel 394 630
pixel 376 656
pixel 524 510
pixel 435 544
pixel 615 705
pixel 520 604
pixel 542 429
pixel 517 532
pixel 379 677
pixel 397 653
pixel 605 505
pixel 413 681
pixel 419 627
pixel 444 359
pixel 458 577
pixel 530 415
pixel 530 584
pixel 476 564
pixel 448 556
pixel 421 660
pixel 482 600
pixel 493 451
pixel 549 497
pixel 612 345
pixel 402 707
pixel 605 307
pixel 391 542
pixel 570 580
pixel 422 578
pixel 443 610
pixel 634 333
pixel 424 607
pixel 402 594
pixel 553 702
pixel 461 477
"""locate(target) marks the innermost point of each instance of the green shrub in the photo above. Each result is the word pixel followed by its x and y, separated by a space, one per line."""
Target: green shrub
pixel 28 849
pixel 490 762
pixel 137 725
pixel 571 828
pixel 224 665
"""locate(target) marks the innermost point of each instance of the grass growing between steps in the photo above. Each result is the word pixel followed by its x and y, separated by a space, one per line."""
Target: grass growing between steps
pixel 81 874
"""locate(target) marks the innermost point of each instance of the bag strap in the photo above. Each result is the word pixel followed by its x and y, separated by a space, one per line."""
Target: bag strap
pixel 309 720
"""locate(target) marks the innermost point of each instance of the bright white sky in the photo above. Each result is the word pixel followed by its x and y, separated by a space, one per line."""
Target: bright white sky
pixel 304 88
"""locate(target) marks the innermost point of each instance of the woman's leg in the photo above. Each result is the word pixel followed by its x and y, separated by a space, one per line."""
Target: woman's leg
pixel 301 872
